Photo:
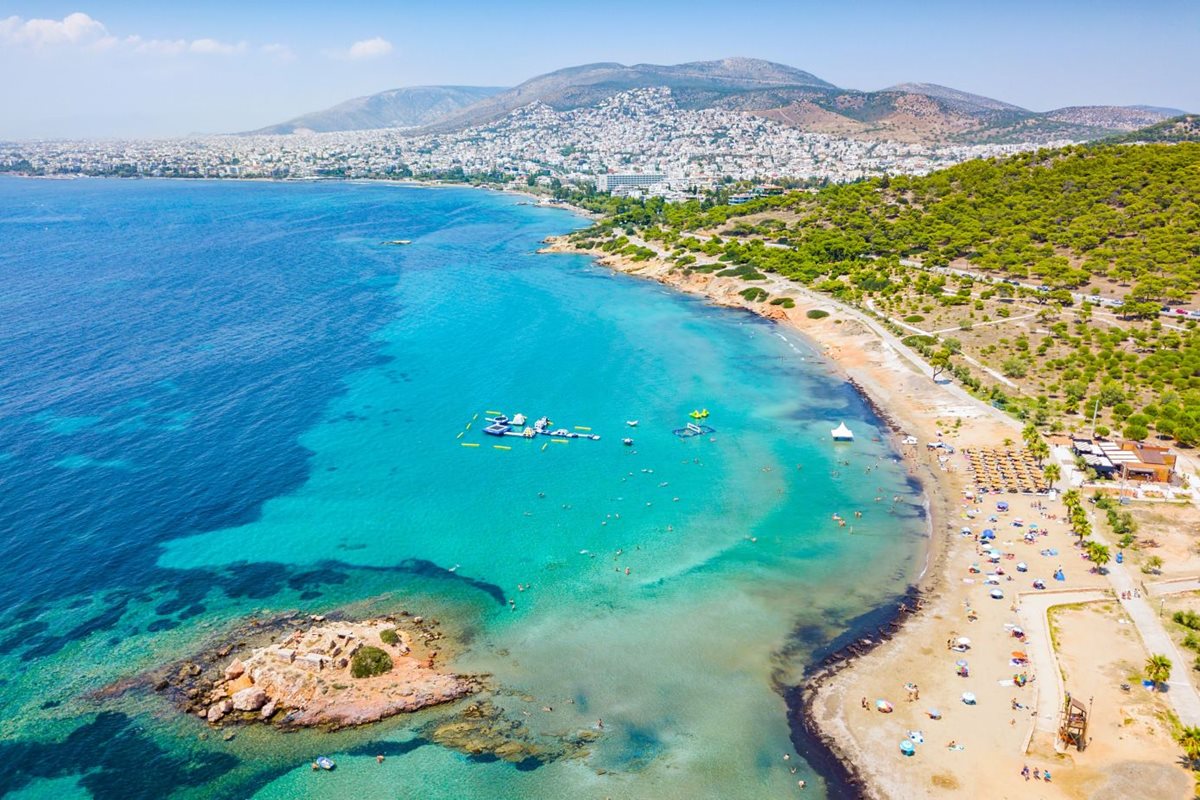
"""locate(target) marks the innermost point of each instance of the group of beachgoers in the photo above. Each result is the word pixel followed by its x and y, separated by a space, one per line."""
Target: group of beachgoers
pixel 1038 775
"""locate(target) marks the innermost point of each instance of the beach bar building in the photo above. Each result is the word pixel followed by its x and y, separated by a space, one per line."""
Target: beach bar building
pixel 1141 462
pixel 1132 461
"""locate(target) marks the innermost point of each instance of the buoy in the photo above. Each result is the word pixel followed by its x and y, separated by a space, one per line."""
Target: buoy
pixel 460 434
pixel 582 428
pixel 547 444
pixel 501 447
pixel 493 413
pixel 470 444
pixel 559 441
pixel 468 426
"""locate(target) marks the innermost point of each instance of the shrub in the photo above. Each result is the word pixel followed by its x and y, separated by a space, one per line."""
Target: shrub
pixel 754 293
pixel 786 302
pixel 1015 367
pixel 389 636
pixel 369 662
pixel 817 313
pixel 1188 619
pixel 914 318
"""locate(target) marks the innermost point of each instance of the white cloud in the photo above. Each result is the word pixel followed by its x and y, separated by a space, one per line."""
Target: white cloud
pixel 213 47
pixel 280 52
pixel 157 47
pixel 370 48
pixel 81 30
pixel 73 29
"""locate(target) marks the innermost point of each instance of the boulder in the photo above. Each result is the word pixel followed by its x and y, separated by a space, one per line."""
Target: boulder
pixel 268 710
pixel 235 670
pixel 218 710
pixel 251 699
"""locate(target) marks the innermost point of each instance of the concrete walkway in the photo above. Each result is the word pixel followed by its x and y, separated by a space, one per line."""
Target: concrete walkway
pixel 1181 692
pixel 1033 613
pixel 1172 586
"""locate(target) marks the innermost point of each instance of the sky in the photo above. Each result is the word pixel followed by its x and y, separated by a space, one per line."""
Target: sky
pixel 102 69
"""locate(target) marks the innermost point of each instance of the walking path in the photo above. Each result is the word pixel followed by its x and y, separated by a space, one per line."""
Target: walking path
pixel 1035 620
pixel 1182 692
pixel 1172 586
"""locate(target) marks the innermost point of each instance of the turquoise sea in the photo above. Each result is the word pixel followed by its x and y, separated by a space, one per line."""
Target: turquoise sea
pixel 225 400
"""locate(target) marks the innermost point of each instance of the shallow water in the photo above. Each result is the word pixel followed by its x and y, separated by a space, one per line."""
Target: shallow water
pixel 219 400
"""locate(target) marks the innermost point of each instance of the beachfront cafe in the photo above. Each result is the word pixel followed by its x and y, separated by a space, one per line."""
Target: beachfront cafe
pixel 1131 461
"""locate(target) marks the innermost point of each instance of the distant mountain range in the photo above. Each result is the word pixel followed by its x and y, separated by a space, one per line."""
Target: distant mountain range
pixel 915 112
pixel 411 107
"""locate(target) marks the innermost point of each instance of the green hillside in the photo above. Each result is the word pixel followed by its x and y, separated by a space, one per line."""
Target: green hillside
pixel 1064 229
pixel 1184 128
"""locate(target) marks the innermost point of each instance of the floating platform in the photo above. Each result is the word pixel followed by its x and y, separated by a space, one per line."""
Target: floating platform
pixel 692 429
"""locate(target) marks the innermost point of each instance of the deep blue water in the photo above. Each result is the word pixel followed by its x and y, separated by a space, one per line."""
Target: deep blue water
pixel 227 399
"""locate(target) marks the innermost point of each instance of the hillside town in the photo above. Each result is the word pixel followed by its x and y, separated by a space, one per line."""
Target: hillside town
pixel 638 131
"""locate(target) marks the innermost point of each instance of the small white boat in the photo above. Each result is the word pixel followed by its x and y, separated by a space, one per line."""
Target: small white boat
pixel 325 762
pixel 627 442
pixel 842 434
pixel 631 423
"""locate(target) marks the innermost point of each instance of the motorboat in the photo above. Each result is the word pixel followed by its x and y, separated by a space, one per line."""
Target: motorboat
pixel 631 423
pixel 627 442
pixel 325 762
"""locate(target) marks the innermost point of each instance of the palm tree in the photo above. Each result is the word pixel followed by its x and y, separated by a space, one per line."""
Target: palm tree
pixel 1189 740
pixel 1158 669
pixel 1039 450
pixel 1052 472
pixel 1030 434
pixel 1099 555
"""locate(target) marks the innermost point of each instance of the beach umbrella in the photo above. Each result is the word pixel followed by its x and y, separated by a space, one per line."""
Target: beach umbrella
pixel 968 698
pixel 988 533
pixel 1019 654
pixel 934 713
pixel 997 594
pixel 962 662
pixel 1022 566
pixel 963 641
pixel 883 706
pixel 906 747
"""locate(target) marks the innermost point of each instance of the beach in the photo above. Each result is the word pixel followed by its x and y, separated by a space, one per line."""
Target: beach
pixel 1004 740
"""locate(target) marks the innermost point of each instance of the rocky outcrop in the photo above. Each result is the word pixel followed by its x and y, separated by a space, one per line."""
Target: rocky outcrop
pixel 250 699
pixel 296 671
pixel 218 710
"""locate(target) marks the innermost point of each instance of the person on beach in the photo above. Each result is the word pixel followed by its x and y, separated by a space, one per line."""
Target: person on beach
pixel 1025 772
pixel 864 703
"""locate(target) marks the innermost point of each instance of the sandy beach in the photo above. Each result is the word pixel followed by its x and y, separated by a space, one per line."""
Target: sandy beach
pixel 1003 743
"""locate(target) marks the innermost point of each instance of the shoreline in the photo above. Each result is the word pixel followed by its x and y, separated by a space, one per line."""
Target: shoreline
pixel 408 183
pixel 880 369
